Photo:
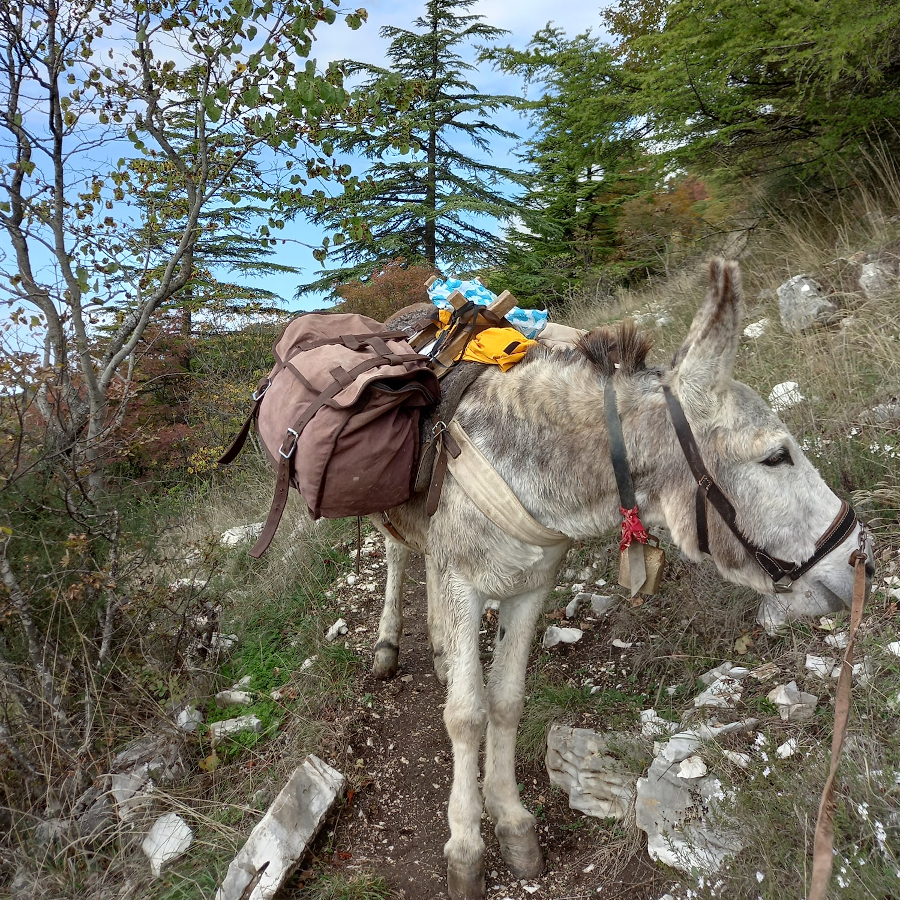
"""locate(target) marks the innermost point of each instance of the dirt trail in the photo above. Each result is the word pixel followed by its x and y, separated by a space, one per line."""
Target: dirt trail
pixel 395 823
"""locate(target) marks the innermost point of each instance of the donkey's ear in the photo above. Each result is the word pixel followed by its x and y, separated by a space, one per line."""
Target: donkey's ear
pixel 706 359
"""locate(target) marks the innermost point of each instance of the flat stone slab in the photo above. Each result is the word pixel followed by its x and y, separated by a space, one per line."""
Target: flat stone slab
pixel 590 768
pixel 277 844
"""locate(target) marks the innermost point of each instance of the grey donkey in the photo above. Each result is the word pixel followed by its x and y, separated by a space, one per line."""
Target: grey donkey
pixel 541 425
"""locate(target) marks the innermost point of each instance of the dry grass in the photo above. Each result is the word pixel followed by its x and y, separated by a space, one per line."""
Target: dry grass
pixel 279 609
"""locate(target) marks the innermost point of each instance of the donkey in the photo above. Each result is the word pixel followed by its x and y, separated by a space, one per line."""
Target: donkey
pixel 541 425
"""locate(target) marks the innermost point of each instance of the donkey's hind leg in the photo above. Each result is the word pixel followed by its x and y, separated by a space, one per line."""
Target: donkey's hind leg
pixel 514 825
pixel 390 627
pixel 435 618
pixel 464 717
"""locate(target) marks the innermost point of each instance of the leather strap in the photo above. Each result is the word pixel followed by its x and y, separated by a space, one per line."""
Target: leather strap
pixel 394 532
pixel 483 485
pixel 780 571
pixel 637 566
pixel 617 450
pixel 240 438
pixel 286 468
pixel 446 445
pixel 823 842
pixel 279 500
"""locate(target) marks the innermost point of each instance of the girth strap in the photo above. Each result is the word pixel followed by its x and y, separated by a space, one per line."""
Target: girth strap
pixel 487 490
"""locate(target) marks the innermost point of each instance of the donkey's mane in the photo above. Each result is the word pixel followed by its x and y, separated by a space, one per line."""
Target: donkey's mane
pixel 621 345
pixel 605 348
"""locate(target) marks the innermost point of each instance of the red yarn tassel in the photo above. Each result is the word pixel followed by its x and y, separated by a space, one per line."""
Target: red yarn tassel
pixel 632 528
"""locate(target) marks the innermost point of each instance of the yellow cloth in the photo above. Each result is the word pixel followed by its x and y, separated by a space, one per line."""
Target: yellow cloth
pixel 502 347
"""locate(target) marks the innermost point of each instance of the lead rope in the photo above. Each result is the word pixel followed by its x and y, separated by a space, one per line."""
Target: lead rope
pixel 823 844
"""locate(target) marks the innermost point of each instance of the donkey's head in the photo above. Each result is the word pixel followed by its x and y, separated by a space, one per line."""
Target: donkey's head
pixel 781 505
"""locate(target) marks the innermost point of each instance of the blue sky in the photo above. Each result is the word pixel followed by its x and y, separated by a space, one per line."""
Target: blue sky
pixel 522 18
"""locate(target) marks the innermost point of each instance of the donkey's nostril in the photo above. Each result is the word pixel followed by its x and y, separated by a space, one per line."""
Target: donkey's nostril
pixel 870 569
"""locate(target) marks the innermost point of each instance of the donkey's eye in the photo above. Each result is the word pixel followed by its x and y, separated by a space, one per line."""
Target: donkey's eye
pixel 780 457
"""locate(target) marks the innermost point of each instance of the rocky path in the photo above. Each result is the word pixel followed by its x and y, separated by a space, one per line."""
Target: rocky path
pixel 400 765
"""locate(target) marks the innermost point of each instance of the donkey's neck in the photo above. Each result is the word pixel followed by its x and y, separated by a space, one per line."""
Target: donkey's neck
pixel 542 426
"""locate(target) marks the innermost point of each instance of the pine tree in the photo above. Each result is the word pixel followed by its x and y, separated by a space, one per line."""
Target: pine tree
pixel 424 200
pixel 584 161
pixel 788 87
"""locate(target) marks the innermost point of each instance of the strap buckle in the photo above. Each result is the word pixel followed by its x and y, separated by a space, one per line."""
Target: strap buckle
pixel 258 393
pixel 287 454
pixel 784 585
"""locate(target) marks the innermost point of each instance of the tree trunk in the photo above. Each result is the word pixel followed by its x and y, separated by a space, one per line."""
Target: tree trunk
pixel 431 177
pixel 186 348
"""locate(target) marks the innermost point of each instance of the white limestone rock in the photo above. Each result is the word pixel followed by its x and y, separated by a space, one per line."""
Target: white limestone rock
pixel 241 534
pixel 591 769
pixel 822 666
pixel 675 799
pixel 756 329
pixel 168 839
pixel 785 395
pixel 339 628
pixel 599 604
pixel 230 727
pixel 188 584
pixel 189 718
pixel 737 673
pixel 653 725
pixel 673 811
pixel 793 704
pixel 576 605
pixel 555 635
pixel 803 304
pixel 876 280
pixel 788 748
pixel 224 699
pixel 692 767
pixel 723 693
pixel 154 759
pixel 278 842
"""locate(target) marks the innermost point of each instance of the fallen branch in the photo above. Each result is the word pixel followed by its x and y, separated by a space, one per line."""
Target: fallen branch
pixel 12 748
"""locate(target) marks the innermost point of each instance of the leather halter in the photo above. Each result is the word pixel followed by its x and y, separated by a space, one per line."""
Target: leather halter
pixel 782 573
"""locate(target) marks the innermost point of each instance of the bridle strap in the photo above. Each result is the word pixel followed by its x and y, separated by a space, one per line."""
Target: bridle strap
pixel 708 490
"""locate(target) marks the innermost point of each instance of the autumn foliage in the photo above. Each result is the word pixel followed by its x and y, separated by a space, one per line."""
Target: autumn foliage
pixel 388 289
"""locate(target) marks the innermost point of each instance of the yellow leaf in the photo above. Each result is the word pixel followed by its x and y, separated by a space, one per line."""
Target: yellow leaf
pixel 210 763
pixel 743 644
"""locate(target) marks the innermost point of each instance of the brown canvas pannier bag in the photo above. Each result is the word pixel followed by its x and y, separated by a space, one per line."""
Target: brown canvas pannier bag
pixel 338 417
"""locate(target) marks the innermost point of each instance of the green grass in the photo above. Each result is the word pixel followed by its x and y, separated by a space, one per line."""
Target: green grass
pixel 341 887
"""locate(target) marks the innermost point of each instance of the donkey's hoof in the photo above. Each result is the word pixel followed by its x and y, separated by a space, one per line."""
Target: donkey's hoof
pixel 465 882
pixel 385 665
pixel 522 853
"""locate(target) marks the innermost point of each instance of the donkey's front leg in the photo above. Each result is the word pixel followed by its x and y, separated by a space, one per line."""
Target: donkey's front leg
pixel 390 627
pixel 514 825
pixel 464 716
